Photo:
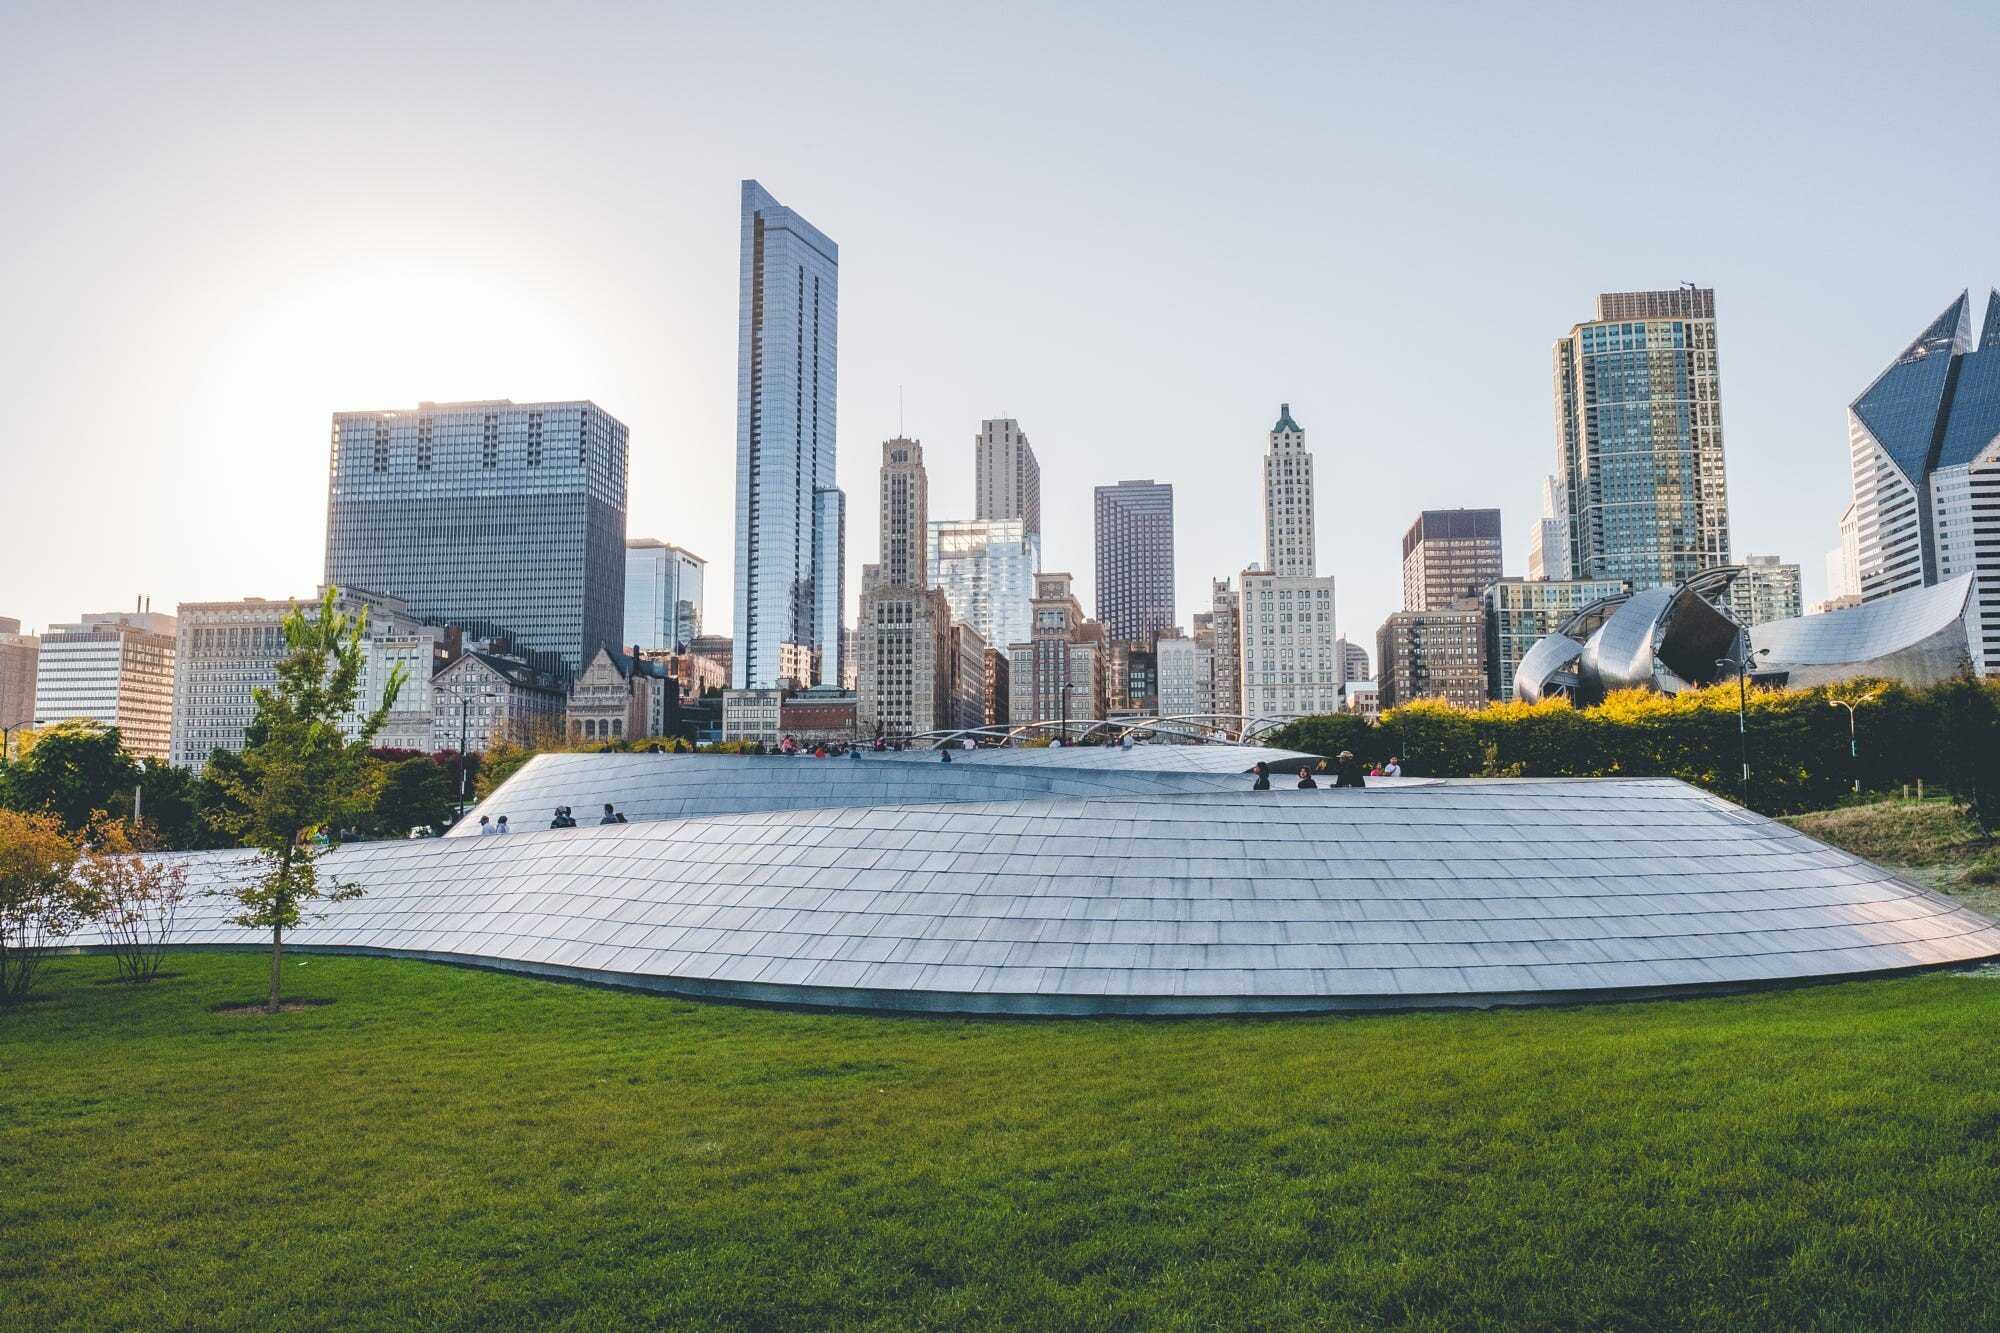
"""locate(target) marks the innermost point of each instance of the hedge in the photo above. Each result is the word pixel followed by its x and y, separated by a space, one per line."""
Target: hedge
pixel 1947 736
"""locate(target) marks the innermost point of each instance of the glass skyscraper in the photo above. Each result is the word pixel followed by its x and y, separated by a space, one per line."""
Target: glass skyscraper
pixel 790 514
pixel 1924 445
pixel 507 519
pixel 986 569
pixel 1639 439
pixel 663 590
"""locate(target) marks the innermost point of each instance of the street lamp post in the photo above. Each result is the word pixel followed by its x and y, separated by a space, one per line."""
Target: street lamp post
pixel 1853 750
pixel 464 775
pixel 1741 666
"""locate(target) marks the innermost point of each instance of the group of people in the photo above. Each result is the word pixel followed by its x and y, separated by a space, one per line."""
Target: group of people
pixel 565 818
pixel 1347 772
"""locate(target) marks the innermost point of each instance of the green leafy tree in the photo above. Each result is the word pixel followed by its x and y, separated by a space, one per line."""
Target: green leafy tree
pixel 1968 729
pixel 75 770
pixel 175 808
pixel 414 792
pixel 302 774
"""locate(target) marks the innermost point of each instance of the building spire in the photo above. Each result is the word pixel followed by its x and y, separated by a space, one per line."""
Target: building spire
pixel 1285 422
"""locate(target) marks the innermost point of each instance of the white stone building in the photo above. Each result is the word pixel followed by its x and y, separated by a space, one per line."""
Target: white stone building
pixel 115 668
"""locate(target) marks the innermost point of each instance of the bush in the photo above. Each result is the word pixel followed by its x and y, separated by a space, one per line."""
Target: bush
pixel 40 900
pixel 136 900
pixel 1948 734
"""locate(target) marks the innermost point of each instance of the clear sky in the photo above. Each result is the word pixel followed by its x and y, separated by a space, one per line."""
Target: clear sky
pixel 1137 229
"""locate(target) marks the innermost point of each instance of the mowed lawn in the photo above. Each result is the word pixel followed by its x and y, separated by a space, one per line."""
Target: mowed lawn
pixel 442 1147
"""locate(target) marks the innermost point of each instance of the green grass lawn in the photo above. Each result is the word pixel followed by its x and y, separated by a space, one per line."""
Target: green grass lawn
pixel 443 1147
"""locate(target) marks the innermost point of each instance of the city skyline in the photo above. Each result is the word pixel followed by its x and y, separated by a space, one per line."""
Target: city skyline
pixel 196 470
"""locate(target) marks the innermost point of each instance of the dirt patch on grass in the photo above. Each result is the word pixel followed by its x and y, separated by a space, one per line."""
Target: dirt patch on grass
pixel 258 1007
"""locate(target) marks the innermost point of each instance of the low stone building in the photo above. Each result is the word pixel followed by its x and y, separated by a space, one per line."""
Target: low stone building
pixel 483 698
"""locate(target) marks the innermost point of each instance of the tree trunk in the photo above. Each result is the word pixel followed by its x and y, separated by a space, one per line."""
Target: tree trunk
pixel 277 955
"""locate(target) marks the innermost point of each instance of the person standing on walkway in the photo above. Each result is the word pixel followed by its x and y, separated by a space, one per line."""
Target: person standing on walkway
pixel 1306 778
pixel 1392 769
pixel 610 815
pixel 1263 782
pixel 486 826
pixel 1347 773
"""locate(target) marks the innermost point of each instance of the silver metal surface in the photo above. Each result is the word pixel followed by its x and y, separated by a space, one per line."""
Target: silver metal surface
pixel 1170 900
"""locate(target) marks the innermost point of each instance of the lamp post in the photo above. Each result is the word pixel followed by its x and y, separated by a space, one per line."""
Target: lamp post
pixel 1741 666
pixel 1853 751
pixel 464 776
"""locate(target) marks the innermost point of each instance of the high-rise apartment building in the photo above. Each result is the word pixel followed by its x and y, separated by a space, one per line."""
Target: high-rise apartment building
pixel 1520 612
pixel 1639 439
pixel 1548 540
pixel 18 653
pixel 1432 655
pixel 1226 661
pixel 1767 589
pixel 965 677
pixel 224 652
pixel 663 595
pixel 1135 559
pixel 1449 556
pixel 904 636
pixel 1924 446
pixel 505 519
pixel 1843 565
pixel 1006 479
pixel 1291 658
pixel 1060 674
pixel 115 668
pixel 791 517
pixel 1288 499
pixel 986 568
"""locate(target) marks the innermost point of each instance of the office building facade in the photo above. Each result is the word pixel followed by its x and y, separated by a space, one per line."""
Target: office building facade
pixel 1006 478
pixel 504 519
pixel 1449 556
pixel 1135 559
pixel 114 668
pixel 1288 500
pixel 1548 540
pixel 904 635
pixel 1186 669
pixel 663 596
pixel 1924 449
pixel 1059 675
pixel 986 569
pixel 483 698
pixel 1519 612
pixel 1226 647
pixel 1432 655
pixel 224 652
pixel 1639 439
pixel 790 514
pixel 1290 657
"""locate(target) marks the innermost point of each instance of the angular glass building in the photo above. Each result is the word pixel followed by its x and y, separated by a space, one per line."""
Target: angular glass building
pixel 507 519
pixel 986 569
pixel 663 594
pixel 1639 439
pixel 790 514
pixel 1924 446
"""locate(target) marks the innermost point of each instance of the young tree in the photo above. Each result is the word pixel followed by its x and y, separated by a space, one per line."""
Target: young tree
pixel 301 773
pixel 40 901
pixel 136 900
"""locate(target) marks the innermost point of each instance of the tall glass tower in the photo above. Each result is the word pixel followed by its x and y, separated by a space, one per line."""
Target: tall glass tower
pixel 790 514
pixel 1639 438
